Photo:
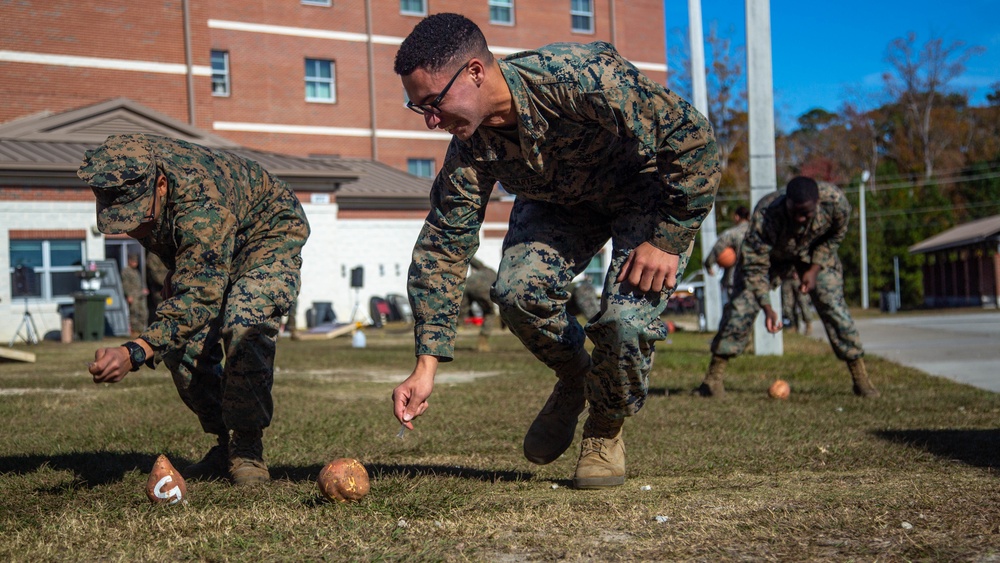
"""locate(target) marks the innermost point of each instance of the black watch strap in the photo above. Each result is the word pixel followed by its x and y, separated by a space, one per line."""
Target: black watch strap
pixel 136 354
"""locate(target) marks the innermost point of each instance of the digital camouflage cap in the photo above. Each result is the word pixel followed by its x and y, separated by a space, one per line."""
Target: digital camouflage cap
pixel 122 173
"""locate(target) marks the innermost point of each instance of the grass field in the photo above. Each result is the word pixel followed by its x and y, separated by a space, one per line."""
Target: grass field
pixel 912 476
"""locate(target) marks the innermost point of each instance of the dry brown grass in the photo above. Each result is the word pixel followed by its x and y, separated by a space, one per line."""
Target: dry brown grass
pixel 821 476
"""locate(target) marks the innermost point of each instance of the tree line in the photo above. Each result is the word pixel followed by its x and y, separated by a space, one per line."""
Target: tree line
pixel 933 158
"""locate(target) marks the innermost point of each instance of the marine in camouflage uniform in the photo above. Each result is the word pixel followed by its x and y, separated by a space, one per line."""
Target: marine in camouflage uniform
pixel 135 296
pixel 730 238
pixel 230 235
pixel 477 290
pixel 795 230
pixel 593 150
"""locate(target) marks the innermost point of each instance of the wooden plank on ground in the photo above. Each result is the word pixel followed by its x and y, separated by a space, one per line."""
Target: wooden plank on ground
pixel 16 355
pixel 326 331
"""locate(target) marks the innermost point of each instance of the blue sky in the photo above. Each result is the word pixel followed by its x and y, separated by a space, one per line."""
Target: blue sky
pixel 824 50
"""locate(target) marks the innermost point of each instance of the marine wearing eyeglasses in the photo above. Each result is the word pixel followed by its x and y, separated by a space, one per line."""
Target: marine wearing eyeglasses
pixel 594 151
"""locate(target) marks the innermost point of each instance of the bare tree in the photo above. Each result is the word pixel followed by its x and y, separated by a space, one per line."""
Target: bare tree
pixel 921 77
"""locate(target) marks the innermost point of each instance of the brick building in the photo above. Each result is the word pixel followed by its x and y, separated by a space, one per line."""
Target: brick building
pixel 288 81
pixel 299 77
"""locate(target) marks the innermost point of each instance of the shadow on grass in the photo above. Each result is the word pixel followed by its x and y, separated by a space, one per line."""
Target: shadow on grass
pixel 91 469
pixel 973 447
pixel 382 471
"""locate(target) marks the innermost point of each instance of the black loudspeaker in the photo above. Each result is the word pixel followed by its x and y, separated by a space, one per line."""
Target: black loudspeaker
pixel 358 277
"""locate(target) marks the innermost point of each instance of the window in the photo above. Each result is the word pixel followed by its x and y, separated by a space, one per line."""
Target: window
pixel 423 167
pixel 317 2
pixel 319 81
pixel 220 73
pixel 582 15
pixel 502 12
pixel 45 268
pixel 413 7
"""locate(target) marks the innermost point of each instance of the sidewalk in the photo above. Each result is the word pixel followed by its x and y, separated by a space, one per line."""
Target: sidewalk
pixel 964 347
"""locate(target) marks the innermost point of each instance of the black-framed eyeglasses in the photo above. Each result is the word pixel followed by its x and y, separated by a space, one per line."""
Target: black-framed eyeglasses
pixel 432 108
pixel 152 210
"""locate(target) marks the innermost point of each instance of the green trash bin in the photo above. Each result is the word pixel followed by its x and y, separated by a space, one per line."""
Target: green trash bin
pixel 88 316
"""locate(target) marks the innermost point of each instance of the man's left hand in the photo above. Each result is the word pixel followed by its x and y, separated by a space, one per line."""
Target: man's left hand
pixel 650 269
pixel 110 365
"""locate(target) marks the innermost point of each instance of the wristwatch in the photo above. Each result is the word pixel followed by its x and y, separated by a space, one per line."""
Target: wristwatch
pixel 136 354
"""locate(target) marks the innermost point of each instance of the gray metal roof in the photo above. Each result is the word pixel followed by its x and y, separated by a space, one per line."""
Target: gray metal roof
pixel 962 235
pixel 46 149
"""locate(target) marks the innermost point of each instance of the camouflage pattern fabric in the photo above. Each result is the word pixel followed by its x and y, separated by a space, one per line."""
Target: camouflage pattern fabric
pixel 730 238
pixel 795 305
pixel 600 152
pixel 138 315
pixel 774 248
pixel 232 235
pixel 477 290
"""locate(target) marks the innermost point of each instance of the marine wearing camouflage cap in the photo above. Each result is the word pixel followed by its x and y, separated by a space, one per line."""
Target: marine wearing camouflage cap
pixel 122 173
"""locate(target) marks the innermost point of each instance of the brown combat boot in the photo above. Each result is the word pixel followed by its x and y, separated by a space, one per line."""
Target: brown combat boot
pixel 552 431
pixel 862 385
pixel 602 454
pixel 712 385
pixel 246 458
pixel 483 345
pixel 215 464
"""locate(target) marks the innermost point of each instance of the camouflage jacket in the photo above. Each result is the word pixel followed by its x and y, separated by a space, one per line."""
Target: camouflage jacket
pixel 223 216
pixel 589 123
pixel 730 238
pixel 776 243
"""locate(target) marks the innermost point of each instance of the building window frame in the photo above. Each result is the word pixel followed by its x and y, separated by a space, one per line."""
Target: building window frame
pixel 420 167
pixel 221 85
pixel 581 13
pixel 413 7
pixel 54 263
pixel 326 3
pixel 501 12
pixel 320 81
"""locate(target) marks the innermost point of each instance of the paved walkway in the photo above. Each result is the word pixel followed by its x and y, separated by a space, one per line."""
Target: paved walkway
pixel 964 347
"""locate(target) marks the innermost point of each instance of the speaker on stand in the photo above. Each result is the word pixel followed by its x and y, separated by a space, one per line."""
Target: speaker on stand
pixel 357 282
pixel 24 286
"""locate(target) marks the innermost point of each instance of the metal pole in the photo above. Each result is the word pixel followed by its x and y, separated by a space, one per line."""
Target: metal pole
pixel 188 61
pixel 895 273
pixel 371 79
pixel 763 173
pixel 699 93
pixel 864 240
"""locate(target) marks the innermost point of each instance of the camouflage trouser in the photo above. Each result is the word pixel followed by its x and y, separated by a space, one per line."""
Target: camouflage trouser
pixel 546 246
pixel 138 315
pixel 232 390
pixel 795 305
pixel 828 298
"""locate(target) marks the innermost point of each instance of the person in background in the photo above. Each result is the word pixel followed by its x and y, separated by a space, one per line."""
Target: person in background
pixel 730 238
pixel 135 296
pixel 477 290
pixel 797 229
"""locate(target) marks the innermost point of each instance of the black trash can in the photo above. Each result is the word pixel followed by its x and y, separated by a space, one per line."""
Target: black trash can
pixel 88 316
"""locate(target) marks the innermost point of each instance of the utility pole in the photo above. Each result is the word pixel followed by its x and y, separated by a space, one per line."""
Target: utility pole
pixel 864 240
pixel 763 175
pixel 699 91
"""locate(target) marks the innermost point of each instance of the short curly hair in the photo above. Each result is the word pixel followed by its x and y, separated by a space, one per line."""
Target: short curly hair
pixel 438 41
pixel 802 189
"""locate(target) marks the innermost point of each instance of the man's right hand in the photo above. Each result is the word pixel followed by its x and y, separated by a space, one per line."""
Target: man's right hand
pixel 409 398
pixel 771 320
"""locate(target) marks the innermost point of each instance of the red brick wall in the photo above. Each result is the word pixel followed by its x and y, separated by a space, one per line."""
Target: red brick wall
pixel 267 70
